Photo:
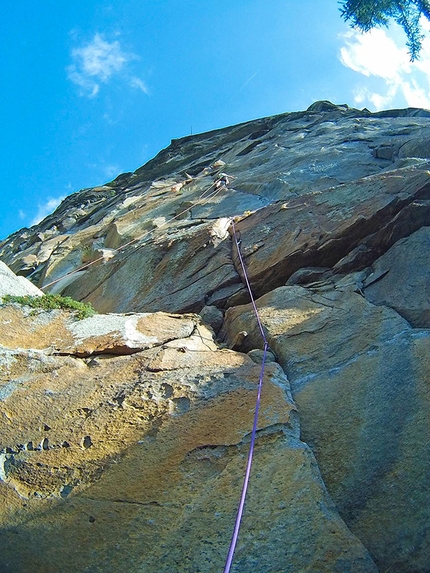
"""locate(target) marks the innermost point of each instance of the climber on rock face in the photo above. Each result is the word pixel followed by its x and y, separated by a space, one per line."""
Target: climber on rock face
pixel 222 180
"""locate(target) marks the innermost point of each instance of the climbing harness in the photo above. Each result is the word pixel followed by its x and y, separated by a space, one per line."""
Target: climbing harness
pixel 236 529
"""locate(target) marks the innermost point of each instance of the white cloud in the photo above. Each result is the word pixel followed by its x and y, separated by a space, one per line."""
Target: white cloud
pixel 96 63
pixel 377 56
pixel 46 209
pixel 374 54
pixel 139 84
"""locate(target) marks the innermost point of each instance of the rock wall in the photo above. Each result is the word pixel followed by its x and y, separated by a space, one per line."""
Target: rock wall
pixel 124 436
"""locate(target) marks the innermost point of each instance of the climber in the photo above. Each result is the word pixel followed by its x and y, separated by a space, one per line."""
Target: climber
pixel 222 180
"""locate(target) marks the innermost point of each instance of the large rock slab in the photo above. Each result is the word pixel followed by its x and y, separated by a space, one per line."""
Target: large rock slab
pixel 401 278
pixel 345 227
pixel 331 186
pixel 123 443
pixel 359 376
pixel 177 273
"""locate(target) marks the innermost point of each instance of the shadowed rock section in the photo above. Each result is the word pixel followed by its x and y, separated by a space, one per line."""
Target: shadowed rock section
pixel 124 436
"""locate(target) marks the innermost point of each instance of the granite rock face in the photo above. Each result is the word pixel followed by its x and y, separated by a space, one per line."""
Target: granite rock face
pixel 360 376
pixel 401 278
pixel 322 188
pixel 124 436
pixel 124 441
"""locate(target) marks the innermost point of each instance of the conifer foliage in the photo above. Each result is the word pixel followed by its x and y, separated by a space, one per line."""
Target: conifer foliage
pixel 368 14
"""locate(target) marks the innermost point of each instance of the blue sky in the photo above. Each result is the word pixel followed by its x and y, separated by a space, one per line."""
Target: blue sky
pixel 93 88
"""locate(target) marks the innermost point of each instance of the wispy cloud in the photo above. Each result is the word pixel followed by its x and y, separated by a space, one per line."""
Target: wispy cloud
pixel 139 84
pixel 98 62
pixel 46 209
pixel 377 56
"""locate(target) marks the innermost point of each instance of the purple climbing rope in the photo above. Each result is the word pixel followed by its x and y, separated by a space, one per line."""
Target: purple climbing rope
pixel 235 535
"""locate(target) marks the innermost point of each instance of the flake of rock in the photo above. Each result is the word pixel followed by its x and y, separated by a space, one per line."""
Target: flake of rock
pixel 400 278
pixel 16 286
pixel 61 333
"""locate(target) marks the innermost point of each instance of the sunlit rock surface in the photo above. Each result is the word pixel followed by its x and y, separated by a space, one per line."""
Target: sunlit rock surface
pixel 360 378
pixel 124 442
pixel 124 436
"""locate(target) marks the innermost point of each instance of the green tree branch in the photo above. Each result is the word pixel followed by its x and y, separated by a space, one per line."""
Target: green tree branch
pixel 368 14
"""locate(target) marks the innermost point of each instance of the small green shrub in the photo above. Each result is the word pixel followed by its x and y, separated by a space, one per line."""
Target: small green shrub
pixel 51 301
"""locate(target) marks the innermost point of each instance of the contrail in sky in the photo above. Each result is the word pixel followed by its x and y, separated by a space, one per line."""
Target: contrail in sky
pixel 248 80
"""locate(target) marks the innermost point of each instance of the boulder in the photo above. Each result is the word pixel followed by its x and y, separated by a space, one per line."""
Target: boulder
pixel 212 316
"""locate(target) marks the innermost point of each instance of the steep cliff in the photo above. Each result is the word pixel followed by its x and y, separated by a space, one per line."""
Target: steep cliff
pixel 124 436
